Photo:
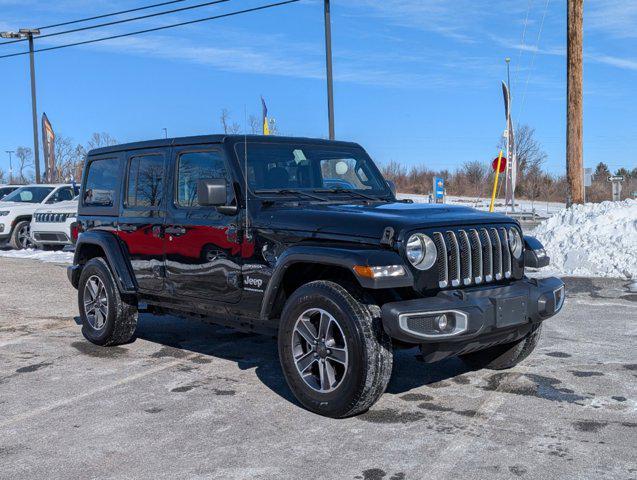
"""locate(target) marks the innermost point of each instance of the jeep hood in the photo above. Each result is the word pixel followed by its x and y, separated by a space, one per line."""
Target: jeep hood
pixel 68 206
pixel 370 220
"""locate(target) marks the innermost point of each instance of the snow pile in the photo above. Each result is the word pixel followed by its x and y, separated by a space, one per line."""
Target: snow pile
pixel 43 256
pixel 593 240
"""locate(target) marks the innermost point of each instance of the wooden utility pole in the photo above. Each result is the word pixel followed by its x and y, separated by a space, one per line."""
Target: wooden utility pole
pixel 574 107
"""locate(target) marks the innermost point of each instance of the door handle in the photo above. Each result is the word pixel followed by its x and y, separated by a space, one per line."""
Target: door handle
pixel 175 230
pixel 127 228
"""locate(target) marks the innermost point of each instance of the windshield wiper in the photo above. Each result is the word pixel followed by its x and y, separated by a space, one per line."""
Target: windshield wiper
pixel 287 191
pixel 348 190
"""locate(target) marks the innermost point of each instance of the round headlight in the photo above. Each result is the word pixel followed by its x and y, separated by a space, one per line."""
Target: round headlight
pixel 421 251
pixel 515 242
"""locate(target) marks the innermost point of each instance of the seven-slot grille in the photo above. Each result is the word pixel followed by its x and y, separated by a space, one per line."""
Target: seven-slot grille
pixel 51 217
pixel 473 256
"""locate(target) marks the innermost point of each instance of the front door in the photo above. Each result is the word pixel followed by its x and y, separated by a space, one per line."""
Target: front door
pixel 143 215
pixel 202 253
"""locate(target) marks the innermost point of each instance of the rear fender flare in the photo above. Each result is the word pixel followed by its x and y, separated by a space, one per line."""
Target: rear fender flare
pixel 114 256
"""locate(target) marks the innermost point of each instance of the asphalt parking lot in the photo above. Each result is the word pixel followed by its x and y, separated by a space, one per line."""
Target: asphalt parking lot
pixel 190 400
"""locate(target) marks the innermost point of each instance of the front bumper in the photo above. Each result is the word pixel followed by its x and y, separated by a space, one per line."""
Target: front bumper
pixel 480 317
pixel 58 233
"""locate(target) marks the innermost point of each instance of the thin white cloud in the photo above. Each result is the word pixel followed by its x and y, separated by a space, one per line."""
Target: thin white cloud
pixel 623 63
pixel 614 18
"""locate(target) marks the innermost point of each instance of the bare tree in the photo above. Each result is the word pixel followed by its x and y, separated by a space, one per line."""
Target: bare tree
pixel 527 148
pixel 475 174
pixel 24 155
pixel 228 127
pixel 1 176
pixel 99 140
pixel 255 125
pixel 64 157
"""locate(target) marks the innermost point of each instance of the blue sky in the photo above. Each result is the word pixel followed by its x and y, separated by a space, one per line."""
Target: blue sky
pixel 416 81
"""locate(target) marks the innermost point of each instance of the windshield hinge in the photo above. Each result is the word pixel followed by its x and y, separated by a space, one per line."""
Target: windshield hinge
pixel 388 237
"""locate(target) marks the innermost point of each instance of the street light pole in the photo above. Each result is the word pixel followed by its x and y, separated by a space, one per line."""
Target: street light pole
pixel 10 166
pixel 165 132
pixel 28 33
pixel 328 65
pixel 34 108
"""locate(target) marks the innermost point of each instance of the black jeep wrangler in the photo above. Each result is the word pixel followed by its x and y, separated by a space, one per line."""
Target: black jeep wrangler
pixel 305 238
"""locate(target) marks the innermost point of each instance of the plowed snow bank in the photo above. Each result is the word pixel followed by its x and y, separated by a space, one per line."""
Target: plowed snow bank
pixel 593 240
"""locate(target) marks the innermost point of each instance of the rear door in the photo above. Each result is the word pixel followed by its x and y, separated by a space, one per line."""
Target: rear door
pixel 143 216
pixel 202 253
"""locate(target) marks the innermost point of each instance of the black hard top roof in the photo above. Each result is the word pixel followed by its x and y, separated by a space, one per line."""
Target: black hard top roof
pixel 203 139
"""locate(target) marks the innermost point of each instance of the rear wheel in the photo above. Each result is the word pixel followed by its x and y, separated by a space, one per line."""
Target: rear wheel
pixel 106 318
pixel 501 357
pixel 21 235
pixel 335 355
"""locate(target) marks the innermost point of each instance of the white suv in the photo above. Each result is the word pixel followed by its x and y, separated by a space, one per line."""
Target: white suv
pixel 17 209
pixel 7 189
pixel 53 225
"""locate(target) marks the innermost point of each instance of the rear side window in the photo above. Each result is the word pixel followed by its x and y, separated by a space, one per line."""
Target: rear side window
pixel 101 182
pixel 194 166
pixel 145 181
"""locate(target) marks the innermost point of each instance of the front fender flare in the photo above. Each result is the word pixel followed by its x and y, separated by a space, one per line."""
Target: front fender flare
pixel 114 256
pixel 338 257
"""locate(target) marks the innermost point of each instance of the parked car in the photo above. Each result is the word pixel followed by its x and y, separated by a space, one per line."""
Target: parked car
pixel 7 189
pixel 55 225
pixel 17 209
pixel 251 232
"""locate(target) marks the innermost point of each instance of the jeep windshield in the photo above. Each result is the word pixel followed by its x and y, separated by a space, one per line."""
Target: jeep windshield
pixel 28 195
pixel 304 169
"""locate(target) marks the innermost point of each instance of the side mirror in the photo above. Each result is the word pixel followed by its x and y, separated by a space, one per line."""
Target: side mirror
pixel 212 192
pixel 392 187
pixel 534 254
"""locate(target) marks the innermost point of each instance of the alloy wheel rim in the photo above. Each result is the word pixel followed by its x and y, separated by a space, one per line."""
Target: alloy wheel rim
pixel 319 350
pixel 24 239
pixel 95 302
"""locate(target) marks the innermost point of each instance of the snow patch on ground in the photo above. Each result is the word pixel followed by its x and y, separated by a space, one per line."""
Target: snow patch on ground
pixel 41 255
pixel 592 240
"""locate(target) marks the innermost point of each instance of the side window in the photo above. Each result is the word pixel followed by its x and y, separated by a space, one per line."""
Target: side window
pixel 61 195
pixel 145 187
pixel 193 166
pixel 101 182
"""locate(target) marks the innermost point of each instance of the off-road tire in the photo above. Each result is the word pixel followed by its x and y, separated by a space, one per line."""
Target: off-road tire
pixel 370 356
pixel 502 357
pixel 14 241
pixel 121 320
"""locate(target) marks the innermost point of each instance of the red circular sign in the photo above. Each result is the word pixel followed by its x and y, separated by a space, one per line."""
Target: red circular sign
pixel 503 164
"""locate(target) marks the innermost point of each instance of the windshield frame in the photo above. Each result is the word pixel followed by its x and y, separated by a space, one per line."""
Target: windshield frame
pixel 384 193
pixel 25 187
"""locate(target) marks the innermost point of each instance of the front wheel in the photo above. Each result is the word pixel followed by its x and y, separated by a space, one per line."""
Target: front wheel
pixel 502 357
pixel 21 235
pixel 335 355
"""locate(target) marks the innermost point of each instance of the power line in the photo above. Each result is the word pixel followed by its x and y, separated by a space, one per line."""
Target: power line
pixel 125 20
pixel 522 44
pixel 109 14
pixel 537 46
pixel 190 22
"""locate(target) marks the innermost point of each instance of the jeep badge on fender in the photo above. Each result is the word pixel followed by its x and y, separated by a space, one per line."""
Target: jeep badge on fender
pixel 305 239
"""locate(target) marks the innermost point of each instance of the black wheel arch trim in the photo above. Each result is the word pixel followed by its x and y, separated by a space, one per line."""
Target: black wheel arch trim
pixel 114 256
pixel 337 257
